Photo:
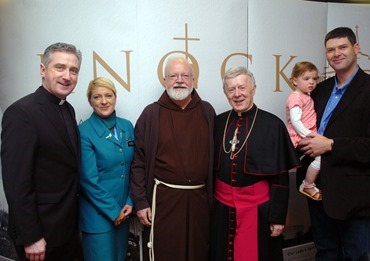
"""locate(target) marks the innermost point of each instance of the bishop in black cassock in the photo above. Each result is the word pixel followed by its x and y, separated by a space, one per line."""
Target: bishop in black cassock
pixel 253 156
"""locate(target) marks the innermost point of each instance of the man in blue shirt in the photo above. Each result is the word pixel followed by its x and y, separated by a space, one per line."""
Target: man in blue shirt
pixel 341 221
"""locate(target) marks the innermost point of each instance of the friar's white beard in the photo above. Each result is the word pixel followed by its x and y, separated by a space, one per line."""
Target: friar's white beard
pixel 179 94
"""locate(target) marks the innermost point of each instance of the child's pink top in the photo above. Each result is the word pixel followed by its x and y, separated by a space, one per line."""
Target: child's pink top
pixel 308 118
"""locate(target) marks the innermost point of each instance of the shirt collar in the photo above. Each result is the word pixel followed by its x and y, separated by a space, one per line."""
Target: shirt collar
pixel 345 86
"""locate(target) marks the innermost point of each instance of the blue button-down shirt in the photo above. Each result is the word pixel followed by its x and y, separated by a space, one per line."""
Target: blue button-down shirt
pixel 336 95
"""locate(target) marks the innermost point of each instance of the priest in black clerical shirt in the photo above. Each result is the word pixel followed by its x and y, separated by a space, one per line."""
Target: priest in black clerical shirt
pixel 40 159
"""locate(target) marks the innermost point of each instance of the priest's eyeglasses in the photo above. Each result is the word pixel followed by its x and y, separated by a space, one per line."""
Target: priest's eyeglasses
pixel 174 77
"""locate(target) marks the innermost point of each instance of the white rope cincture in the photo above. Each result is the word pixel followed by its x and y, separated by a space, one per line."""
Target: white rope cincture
pixel 156 183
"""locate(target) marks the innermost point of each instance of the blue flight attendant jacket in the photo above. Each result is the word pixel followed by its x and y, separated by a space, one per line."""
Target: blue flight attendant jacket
pixel 105 173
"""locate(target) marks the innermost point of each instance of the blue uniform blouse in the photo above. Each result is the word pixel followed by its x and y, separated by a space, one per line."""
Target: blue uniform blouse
pixel 105 172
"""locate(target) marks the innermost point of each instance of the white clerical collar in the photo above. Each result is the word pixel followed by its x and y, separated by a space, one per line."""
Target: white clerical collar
pixel 62 102
pixel 240 113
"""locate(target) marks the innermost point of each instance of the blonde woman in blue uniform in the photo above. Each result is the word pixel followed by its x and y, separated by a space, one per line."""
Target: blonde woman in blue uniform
pixel 107 148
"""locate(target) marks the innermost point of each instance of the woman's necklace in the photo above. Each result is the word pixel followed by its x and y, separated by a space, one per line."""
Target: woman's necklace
pixel 235 140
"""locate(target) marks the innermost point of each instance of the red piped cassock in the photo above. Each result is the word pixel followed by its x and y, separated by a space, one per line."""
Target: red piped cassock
pixel 251 186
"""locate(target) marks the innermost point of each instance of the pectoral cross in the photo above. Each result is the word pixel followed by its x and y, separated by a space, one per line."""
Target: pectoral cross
pixel 234 141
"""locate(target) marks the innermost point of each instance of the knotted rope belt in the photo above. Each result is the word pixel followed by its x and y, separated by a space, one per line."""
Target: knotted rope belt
pixel 156 183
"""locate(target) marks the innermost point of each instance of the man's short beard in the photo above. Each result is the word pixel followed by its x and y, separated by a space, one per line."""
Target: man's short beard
pixel 179 94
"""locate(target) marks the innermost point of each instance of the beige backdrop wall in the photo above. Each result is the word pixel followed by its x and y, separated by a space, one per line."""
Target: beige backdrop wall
pixel 126 41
